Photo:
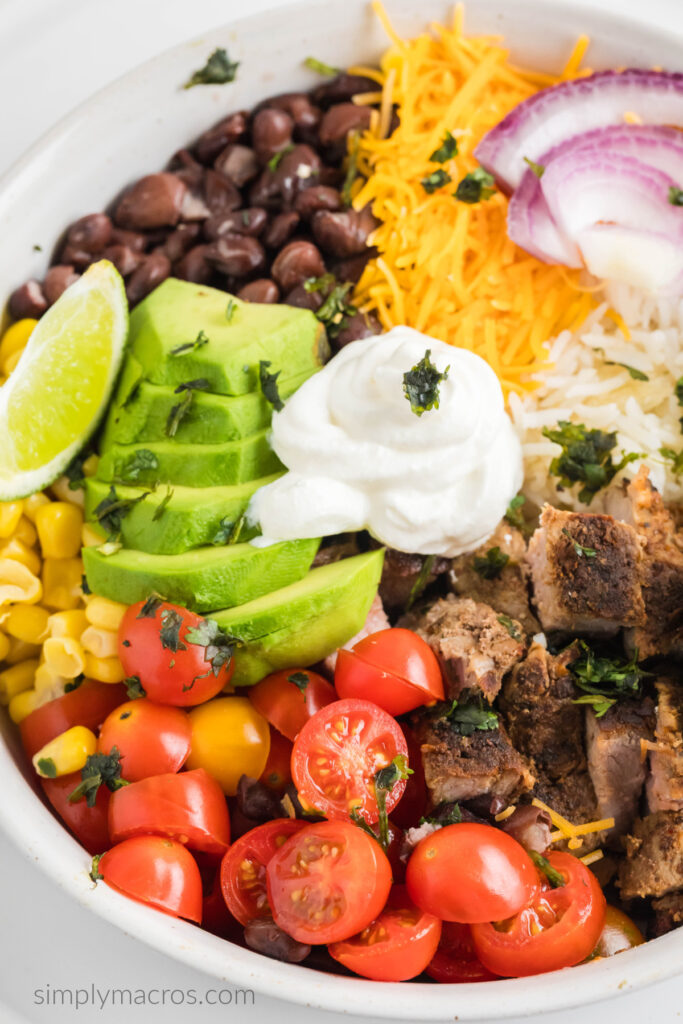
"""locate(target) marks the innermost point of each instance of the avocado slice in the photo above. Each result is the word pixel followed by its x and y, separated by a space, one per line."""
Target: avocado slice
pixel 304 622
pixel 202 579
pixel 144 415
pixel 192 516
pixel 192 465
pixel 223 348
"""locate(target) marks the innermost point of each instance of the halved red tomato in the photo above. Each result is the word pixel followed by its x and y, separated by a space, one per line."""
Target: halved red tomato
pixel 394 668
pixel 558 928
pixel 455 961
pixel 243 869
pixel 189 807
pixel 396 946
pixel 152 739
pixel 288 699
pixel 88 824
pixel 327 882
pixel 88 705
pixel 156 871
pixel 338 753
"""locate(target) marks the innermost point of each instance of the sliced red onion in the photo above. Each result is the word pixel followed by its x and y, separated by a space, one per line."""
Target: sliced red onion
pixel 572 108
pixel 650 261
pixel 530 223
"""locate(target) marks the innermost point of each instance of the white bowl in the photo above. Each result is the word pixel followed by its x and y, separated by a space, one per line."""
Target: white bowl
pixel 132 127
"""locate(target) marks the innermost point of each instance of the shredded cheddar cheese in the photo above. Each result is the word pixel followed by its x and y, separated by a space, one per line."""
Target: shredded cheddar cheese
pixel 507 813
pixel 592 858
pixel 444 266
pixel 572 833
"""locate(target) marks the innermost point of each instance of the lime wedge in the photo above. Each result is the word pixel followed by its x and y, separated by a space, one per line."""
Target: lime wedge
pixel 59 390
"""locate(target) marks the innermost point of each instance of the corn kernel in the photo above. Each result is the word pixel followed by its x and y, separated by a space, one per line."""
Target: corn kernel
pixel 22 704
pixel 16 336
pixel 28 622
pixel 19 650
pixel 25 532
pixel 18 583
pixel 71 623
pixel 4 646
pixel 90 537
pixel 62 583
pixel 90 465
pixel 59 529
pixel 9 364
pixel 10 514
pixel 64 656
pixel 47 684
pixel 33 503
pixel 105 614
pixel 63 491
pixel 21 553
pixel 104 670
pixel 17 679
pixel 66 753
pixel 102 643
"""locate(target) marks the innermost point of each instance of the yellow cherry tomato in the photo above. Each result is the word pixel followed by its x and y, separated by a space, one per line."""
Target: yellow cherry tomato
pixel 619 933
pixel 229 739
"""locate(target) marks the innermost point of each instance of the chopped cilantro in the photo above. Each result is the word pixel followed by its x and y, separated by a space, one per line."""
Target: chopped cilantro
pixel 335 309
pixel 99 770
pixel 142 461
pixel 468 718
pixel 321 284
pixel 678 390
pixel 150 607
pixel 436 180
pixel 275 159
pixel 47 767
pixel 513 513
pixel 74 471
pixel 450 815
pixel 218 70
pixel 232 305
pixel 675 458
pixel 73 684
pixel 134 688
pixel 675 196
pixel 178 413
pixel 421 581
pixel 191 346
pixel 475 186
pixel 598 702
pixel 228 531
pixel 112 510
pixel 421 385
pixel 556 878
pixel 492 564
pixel 219 645
pixel 84 586
pixel 446 151
pixel 169 634
pixel 320 68
pixel 511 626
pixel 581 550
pixel 385 780
pixel 300 680
pixel 269 385
pixel 95 872
pixel 633 373
pixel 161 507
pixel 586 457
pixel 538 169
pixel 613 678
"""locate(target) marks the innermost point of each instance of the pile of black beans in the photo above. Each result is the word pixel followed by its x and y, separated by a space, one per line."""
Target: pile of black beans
pixel 256 207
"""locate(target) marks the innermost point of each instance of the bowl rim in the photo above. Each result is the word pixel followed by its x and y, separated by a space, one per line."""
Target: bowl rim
pixel 42 838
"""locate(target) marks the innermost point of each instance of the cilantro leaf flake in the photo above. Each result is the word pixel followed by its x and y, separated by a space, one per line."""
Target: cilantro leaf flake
pixel 269 385
pixel 218 70
pixel 99 770
pixel 446 151
pixel 476 186
pixel 492 564
pixel 219 645
pixel 421 385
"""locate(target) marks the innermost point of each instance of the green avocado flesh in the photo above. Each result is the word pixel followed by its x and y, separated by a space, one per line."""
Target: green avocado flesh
pixel 180 313
pixel 209 419
pixel 303 622
pixel 192 516
pixel 202 579
pixel 205 465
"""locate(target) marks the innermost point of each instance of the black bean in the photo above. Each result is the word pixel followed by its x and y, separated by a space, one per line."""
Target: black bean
pixel 257 801
pixel 298 169
pixel 27 301
pixel 319 197
pixel 262 290
pixel 57 280
pixel 194 266
pixel 134 240
pixel 236 255
pixel 220 193
pixel 264 936
pixel 250 221
pixel 303 299
pixel 125 259
pixel 193 207
pixel 189 170
pixel 91 233
pixel 296 263
pixel 181 240
pixel 342 88
pixel 231 129
pixel 344 233
pixel 304 114
pixel 351 269
pixel 154 269
pixel 281 229
pixel 341 119
pixel 237 163
pixel 271 133
pixel 78 258
pixel 355 327
pixel 154 201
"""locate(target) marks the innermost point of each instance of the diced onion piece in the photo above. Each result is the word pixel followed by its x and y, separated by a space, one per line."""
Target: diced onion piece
pixel 651 262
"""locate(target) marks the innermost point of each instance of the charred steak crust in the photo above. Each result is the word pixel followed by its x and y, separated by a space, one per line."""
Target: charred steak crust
pixel 400 573
pixel 654 856
pixel 665 784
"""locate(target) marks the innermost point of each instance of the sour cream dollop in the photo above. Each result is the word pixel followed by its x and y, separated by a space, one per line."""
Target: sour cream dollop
pixel 359 458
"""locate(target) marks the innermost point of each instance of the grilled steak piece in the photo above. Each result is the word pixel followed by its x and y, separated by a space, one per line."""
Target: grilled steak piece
pixel 574 798
pixel 475 648
pixel 336 548
pixel 459 768
pixel 615 764
pixel 376 620
pixel 654 856
pixel 585 570
pixel 508 590
pixel 641 505
pixel 668 913
pixel 665 784
pixel 543 723
pixel 400 574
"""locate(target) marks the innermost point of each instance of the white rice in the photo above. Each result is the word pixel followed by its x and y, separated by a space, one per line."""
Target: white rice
pixel 579 386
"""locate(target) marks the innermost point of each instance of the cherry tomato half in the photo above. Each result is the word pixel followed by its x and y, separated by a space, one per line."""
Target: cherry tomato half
pixel 172 669
pixel 559 928
pixel 189 807
pixel 455 961
pixel 156 871
pixel 88 824
pixel 397 946
pixel 229 739
pixel 327 882
pixel 471 872
pixel 618 934
pixel 394 668
pixel 337 754
pixel 152 739
pixel 277 773
pixel 243 869
pixel 288 699
pixel 88 705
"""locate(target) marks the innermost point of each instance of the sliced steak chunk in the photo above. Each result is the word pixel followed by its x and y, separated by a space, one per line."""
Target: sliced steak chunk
pixel 459 768
pixel 508 590
pixel 668 913
pixel 654 856
pixel 615 764
pixel 665 784
pixel 585 570
pixel 376 620
pixel 401 573
pixel 543 723
pixel 475 645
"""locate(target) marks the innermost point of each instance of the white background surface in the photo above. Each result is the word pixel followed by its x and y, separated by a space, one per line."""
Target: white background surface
pixel 54 54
